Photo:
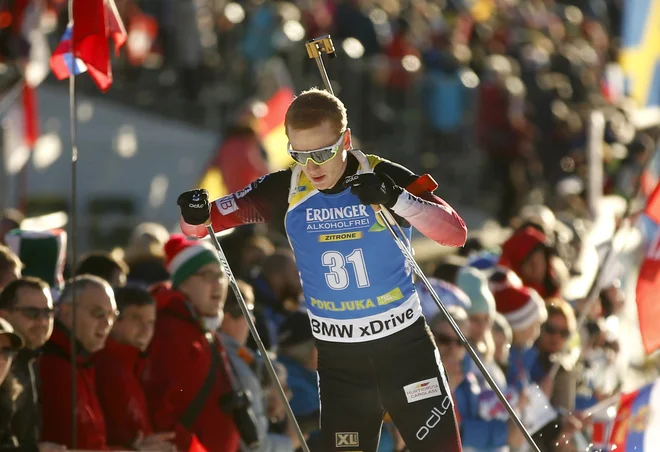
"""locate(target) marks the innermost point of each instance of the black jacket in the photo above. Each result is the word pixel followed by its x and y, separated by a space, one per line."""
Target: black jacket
pixel 26 423
pixel 9 391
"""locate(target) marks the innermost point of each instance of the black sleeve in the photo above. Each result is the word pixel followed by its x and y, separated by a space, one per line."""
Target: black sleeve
pixel 273 194
pixel 263 201
pixel 401 175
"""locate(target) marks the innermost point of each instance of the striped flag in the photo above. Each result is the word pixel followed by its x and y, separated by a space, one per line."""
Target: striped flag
pixel 84 46
pixel 640 50
pixel 637 424
pixel 271 128
pixel 42 252
pixel 271 131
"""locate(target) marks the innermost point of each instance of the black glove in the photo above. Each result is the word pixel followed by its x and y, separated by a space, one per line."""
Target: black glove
pixel 374 188
pixel 195 206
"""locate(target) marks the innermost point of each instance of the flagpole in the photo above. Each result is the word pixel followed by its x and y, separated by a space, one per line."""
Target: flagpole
pixel 74 218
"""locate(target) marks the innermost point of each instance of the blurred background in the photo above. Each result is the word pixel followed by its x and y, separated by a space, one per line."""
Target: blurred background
pixel 495 99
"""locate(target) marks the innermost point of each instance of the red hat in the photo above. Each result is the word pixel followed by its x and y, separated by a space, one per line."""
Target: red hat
pixel 519 246
pixel 520 305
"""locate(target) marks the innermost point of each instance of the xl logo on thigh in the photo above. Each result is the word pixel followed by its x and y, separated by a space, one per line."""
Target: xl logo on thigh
pixel 347 439
pixel 436 415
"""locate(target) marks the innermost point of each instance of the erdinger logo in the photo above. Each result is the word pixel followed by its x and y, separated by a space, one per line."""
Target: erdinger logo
pixel 347 439
pixel 436 416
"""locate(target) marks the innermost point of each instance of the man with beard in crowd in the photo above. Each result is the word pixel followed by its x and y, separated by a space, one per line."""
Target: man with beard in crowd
pixel 27 305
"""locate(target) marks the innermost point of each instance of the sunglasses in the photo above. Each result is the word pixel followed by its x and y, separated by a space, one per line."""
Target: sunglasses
pixel 8 353
pixel 441 339
pixel 101 314
pixel 554 330
pixel 318 156
pixel 33 313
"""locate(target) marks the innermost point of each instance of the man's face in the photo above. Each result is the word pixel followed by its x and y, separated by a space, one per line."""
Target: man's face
pixel 10 274
pixel 327 175
pixel 32 316
pixel 96 313
pixel 6 353
pixel 135 326
pixel 206 289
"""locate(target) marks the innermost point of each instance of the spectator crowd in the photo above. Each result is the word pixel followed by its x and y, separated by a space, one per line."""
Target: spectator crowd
pixel 164 359
pixel 161 351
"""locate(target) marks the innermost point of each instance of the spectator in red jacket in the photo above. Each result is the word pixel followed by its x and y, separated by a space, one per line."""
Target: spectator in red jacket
pixel 95 314
pixel 118 369
pixel 181 354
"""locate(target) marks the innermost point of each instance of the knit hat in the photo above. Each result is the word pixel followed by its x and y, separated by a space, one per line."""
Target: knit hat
pixel 295 330
pixel 519 246
pixel 483 260
pixel 520 305
pixel 184 257
pixel 475 285
pixel 43 254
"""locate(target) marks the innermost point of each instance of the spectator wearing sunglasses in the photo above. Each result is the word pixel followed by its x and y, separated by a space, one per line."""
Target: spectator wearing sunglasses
pixel 482 420
pixel 250 369
pixel 95 314
pixel 27 305
pixel 552 346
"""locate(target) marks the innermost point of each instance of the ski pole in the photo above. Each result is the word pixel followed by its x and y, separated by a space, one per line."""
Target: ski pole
pixel 315 49
pixel 255 335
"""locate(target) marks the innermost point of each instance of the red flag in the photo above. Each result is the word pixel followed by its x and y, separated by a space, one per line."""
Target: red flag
pixel 94 21
pixel 648 282
pixel 31 117
pixel 196 446
pixel 653 205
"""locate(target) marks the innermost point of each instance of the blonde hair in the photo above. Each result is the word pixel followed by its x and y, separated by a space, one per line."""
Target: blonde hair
pixel 313 107
pixel 559 306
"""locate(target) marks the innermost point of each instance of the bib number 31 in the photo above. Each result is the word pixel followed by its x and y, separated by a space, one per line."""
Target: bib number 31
pixel 337 277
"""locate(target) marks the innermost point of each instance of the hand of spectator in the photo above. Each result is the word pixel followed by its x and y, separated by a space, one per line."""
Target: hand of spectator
pixel 159 442
pixel 293 435
pixel 523 401
pixel 547 386
pixel 51 447
pixel 571 425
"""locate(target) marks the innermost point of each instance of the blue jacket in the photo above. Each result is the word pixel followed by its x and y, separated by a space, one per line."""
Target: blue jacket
pixel 483 432
pixel 304 386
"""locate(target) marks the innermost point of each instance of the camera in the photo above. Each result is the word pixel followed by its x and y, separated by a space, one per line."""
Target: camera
pixel 239 405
